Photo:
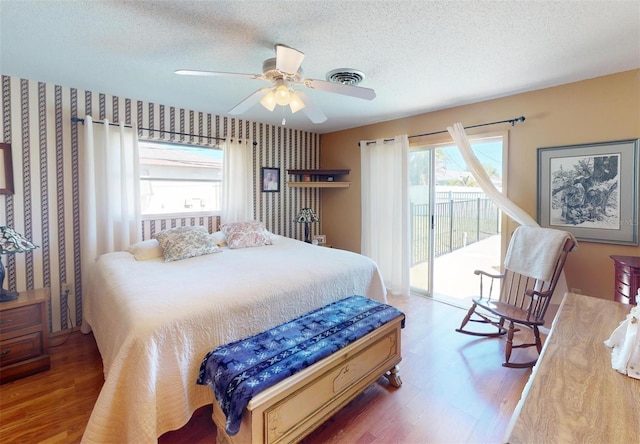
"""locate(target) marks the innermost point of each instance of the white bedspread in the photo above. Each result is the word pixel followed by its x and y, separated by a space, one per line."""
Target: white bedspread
pixel 154 322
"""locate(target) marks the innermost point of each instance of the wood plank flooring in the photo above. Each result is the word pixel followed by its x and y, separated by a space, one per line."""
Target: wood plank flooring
pixel 454 391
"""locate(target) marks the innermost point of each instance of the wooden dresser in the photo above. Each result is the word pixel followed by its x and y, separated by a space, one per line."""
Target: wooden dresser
pixel 627 270
pixel 24 334
pixel 573 394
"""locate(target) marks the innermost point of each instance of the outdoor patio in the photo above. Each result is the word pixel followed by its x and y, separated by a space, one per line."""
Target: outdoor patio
pixel 454 280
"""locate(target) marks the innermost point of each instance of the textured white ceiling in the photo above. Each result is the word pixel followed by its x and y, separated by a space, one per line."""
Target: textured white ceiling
pixel 418 56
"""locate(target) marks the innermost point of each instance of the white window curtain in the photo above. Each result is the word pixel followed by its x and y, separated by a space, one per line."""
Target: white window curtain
pixel 237 181
pixel 110 191
pixel 511 209
pixel 516 213
pixel 385 209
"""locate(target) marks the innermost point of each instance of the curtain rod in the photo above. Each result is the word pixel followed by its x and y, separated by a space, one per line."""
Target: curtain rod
pixel 511 121
pixel 79 120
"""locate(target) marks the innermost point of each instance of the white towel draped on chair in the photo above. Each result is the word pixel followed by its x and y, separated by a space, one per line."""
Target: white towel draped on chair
pixel 529 249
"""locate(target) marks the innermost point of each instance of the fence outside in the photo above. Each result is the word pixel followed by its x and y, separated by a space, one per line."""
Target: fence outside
pixel 461 218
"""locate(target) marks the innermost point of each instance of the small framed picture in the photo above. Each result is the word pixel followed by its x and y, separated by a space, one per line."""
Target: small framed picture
pixel 320 239
pixel 270 180
pixel 6 172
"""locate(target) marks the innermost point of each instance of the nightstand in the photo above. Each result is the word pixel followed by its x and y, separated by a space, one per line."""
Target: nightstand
pixel 627 279
pixel 24 334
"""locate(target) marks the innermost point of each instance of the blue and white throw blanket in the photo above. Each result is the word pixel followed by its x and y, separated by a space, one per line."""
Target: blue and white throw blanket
pixel 239 370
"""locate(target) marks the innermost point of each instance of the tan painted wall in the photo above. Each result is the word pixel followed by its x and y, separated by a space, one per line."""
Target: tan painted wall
pixel 595 110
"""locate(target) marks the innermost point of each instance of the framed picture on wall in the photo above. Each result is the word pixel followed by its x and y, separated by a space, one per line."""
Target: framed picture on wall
pixel 6 169
pixel 591 190
pixel 321 239
pixel 270 180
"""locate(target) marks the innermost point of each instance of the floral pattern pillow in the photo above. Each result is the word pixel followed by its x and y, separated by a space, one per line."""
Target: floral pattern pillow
pixel 185 242
pixel 246 234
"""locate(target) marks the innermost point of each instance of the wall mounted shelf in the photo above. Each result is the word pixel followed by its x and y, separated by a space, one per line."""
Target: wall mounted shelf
pixel 319 184
pixel 319 178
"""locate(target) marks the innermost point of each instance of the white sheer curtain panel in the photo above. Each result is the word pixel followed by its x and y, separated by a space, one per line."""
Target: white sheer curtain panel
pixel 507 205
pixel 237 181
pixel 110 191
pixel 385 209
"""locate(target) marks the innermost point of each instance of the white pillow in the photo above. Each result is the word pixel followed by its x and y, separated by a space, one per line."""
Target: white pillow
pixel 145 250
pixel 219 238
pixel 246 234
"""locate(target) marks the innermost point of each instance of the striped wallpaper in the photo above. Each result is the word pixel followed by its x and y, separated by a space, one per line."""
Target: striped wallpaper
pixel 36 121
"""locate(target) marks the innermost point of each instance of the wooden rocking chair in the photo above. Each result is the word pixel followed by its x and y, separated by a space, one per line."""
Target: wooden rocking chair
pixel 517 296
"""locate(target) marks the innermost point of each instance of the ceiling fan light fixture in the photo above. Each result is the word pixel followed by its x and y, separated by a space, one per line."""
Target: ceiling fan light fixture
pixel 269 101
pixel 285 70
pixel 296 103
pixel 282 95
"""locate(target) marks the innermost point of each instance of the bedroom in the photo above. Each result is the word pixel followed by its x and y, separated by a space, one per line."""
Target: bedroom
pixel 594 109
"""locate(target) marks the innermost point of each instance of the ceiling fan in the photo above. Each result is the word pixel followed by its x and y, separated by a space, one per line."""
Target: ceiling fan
pixel 284 72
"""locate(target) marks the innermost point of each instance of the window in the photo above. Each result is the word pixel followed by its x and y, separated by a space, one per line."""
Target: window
pixel 179 178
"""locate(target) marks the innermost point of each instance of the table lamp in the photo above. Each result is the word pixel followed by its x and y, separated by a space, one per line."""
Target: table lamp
pixel 11 243
pixel 306 216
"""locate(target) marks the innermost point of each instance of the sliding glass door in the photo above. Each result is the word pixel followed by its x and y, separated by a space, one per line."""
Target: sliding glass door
pixel 455 227
pixel 421 193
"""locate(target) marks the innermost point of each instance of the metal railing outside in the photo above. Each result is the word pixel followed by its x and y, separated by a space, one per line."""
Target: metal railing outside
pixel 461 218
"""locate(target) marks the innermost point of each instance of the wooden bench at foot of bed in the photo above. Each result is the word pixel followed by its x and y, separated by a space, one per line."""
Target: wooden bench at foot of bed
pixel 293 408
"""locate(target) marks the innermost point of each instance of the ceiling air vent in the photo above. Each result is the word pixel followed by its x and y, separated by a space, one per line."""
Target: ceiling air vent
pixel 346 76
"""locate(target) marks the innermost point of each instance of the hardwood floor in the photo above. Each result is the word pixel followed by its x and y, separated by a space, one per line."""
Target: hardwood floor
pixel 454 391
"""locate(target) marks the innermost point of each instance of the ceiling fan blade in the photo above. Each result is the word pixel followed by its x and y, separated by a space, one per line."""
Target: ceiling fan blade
pixel 288 60
pixel 313 113
pixel 249 101
pixel 195 72
pixel 340 88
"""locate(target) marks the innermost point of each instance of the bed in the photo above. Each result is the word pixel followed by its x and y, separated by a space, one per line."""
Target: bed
pixel 154 322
